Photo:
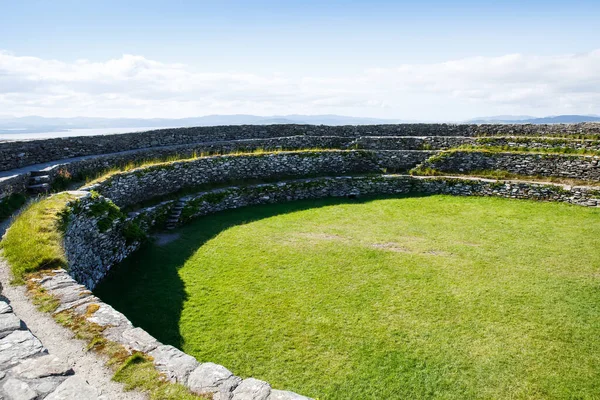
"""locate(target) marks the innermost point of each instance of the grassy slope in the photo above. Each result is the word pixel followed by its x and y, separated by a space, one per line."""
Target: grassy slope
pixel 34 240
pixel 433 297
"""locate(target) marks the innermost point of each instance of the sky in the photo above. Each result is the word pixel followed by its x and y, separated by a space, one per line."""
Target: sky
pixel 426 60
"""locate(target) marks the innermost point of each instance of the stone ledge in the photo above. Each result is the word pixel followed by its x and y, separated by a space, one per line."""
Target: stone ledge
pixel 28 372
pixel 177 366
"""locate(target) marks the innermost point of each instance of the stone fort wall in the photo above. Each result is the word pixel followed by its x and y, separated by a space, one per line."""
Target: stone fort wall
pixel 143 184
pixel 23 153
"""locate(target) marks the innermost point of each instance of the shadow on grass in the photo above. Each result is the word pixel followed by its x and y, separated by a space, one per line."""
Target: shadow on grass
pixel 146 287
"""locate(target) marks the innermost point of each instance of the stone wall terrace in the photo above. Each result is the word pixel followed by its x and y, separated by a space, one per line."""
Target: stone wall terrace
pixel 142 184
pixel 551 165
pixel 532 143
pixel 97 237
pixel 22 153
pixel 93 246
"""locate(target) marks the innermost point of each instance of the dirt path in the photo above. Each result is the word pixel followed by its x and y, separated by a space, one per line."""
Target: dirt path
pixel 60 342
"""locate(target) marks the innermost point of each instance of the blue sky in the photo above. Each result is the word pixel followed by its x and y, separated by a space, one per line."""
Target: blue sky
pixel 283 45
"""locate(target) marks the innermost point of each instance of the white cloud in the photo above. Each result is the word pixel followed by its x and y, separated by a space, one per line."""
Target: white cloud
pixel 137 87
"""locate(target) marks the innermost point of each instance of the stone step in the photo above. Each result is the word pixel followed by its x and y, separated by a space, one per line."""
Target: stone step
pixel 38 173
pixel 34 180
pixel 173 220
pixel 40 188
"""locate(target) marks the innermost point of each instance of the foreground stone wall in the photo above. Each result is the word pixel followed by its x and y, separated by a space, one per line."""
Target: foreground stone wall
pixel 555 165
pixel 96 238
pixel 27 371
pixel 142 184
pixel 22 153
pixel 201 378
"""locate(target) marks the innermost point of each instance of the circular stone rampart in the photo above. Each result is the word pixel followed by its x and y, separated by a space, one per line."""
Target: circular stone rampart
pixel 22 153
pixel 98 235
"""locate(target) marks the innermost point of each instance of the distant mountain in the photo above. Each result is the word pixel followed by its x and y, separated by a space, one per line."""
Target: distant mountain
pixel 499 118
pixel 12 126
pixel 522 119
pixel 34 124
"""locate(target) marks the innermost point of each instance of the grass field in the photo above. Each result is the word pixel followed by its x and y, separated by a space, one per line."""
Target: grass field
pixel 420 297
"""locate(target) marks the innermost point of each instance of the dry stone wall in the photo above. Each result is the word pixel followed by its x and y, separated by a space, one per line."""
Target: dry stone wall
pixel 555 165
pixel 538 143
pixel 201 378
pixel 13 184
pixel 98 236
pixel 411 142
pixel 145 183
pixel 22 153
pixel 235 197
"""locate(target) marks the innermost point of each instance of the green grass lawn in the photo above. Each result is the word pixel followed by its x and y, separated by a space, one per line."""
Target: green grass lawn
pixel 420 297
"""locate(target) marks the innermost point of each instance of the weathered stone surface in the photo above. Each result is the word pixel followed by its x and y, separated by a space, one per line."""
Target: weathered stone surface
pixel 285 395
pixel 252 389
pixel 18 346
pixel 70 294
pixel 9 323
pixel 40 367
pixel 77 303
pixel 74 388
pixel 5 307
pixel 143 184
pixel 214 379
pixel 47 385
pixel 556 165
pixel 57 281
pixel 174 363
pixel 15 389
pixel 138 339
pixel 108 316
pixel 21 153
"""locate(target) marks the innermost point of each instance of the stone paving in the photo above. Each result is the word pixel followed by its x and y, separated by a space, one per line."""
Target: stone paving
pixel 28 371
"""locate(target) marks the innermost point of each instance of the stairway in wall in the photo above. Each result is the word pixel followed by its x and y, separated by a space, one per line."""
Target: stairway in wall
pixel 175 214
pixel 39 182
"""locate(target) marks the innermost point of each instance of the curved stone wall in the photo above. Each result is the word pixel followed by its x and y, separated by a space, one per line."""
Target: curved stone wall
pixel 22 153
pixel 551 165
pixel 99 235
pixel 527 143
pixel 142 184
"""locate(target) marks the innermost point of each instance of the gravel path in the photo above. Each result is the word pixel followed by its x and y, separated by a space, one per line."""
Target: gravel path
pixel 60 342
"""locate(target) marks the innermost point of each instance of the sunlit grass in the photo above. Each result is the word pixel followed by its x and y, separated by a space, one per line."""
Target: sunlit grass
pixel 418 298
pixel 34 240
